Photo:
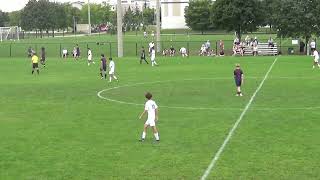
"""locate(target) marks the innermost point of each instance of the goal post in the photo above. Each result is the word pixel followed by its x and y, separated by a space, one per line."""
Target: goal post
pixel 9 33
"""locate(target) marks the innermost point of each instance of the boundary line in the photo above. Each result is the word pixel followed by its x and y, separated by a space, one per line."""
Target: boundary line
pixel 236 124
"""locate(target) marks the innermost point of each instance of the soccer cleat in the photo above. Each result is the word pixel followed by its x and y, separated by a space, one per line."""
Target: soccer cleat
pixel 241 95
pixel 141 140
pixel 237 94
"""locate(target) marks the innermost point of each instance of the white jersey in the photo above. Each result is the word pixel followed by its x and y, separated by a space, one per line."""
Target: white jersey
pixel 316 56
pixel 151 107
pixel 183 50
pixel 153 55
pixel 313 44
pixel 89 55
pixel 112 67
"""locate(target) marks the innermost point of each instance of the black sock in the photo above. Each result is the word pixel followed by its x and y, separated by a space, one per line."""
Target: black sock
pixel 101 74
pixel 32 71
pixel 38 71
pixel 105 76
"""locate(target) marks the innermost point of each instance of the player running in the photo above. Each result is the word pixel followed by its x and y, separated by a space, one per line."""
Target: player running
pixel 143 55
pixel 90 57
pixel 238 77
pixel 35 63
pixel 153 57
pixel 152 109
pixel 103 67
pixel 112 67
pixel 316 59
pixel 43 57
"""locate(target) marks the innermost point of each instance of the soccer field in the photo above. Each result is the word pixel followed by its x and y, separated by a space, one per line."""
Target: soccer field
pixel 55 126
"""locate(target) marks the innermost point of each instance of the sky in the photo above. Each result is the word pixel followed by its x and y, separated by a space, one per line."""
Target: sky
pixel 14 5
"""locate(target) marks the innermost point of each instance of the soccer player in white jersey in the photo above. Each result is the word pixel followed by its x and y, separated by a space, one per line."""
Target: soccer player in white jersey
pixel 151 45
pixel 316 59
pixel 90 57
pixel 152 109
pixel 112 68
pixel 153 57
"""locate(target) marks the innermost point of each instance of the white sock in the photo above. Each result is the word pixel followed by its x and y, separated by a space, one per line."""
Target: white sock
pixel 93 62
pixel 110 78
pixel 155 63
pixel 156 135
pixel 143 135
pixel 152 63
pixel 115 77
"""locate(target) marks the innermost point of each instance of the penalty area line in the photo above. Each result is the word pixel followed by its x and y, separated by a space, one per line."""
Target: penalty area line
pixel 236 124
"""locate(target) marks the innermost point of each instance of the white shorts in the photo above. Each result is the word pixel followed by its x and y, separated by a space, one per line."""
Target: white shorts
pixel 111 72
pixel 153 58
pixel 150 122
pixel 89 58
pixel 316 60
pixel 255 49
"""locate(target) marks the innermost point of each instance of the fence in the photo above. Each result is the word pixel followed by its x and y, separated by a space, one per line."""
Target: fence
pixel 131 49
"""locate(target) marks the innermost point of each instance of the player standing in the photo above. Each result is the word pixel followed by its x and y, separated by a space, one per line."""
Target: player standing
pixel 152 109
pixel 112 68
pixel 316 59
pixel 238 77
pixel 153 57
pixel 35 61
pixel 78 52
pixel 103 67
pixel 43 57
pixel 90 57
pixel 143 55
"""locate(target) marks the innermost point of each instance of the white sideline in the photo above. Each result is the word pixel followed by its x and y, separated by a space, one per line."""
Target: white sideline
pixel 225 142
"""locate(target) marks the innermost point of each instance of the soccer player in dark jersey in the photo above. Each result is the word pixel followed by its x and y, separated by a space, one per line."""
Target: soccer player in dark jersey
pixel 238 77
pixel 103 67
pixel 78 51
pixel 143 55
pixel 43 57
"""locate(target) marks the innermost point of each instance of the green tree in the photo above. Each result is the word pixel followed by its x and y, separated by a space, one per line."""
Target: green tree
pixel 148 17
pixel 15 18
pixel 4 18
pixel 240 16
pixel 270 8
pixel 128 19
pixel 197 15
pixel 298 18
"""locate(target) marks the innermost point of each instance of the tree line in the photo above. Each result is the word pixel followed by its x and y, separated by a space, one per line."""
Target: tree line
pixel 44 16
pixel 288 18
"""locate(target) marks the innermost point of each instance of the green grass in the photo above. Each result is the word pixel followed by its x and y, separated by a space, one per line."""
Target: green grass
pixel 54 126
pixel 132 43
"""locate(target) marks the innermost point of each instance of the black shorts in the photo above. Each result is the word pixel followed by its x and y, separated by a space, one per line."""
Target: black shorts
pixel 238 82
pixel 34 65
pixel 104 68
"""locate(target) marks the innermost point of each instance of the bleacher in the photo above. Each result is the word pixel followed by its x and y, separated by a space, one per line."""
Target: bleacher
pixel 263 50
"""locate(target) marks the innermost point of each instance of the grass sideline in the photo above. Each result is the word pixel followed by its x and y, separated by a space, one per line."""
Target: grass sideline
pixel 54 126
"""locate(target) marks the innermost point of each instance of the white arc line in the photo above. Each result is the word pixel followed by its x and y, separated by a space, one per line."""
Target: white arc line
pixel 236 124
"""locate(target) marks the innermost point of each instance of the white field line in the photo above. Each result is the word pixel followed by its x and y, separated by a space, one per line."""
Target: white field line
pixel 236 124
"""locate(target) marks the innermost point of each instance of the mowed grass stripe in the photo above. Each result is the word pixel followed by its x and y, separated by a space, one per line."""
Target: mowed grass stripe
pixel 230 134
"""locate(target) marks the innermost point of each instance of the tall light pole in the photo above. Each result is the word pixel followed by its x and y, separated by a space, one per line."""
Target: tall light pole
pixel 158 25
pixel 89 18
pixel 119 29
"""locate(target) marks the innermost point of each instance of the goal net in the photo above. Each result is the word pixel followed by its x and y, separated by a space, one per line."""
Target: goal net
pixel 9 33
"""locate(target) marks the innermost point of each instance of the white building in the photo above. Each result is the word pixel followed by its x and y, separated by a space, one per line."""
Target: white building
pixel 172 14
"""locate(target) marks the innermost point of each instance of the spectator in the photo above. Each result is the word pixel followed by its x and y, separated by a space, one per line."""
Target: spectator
pixel 236 41
pixel 172 51
pixel 221 46
pixel 165 52
pixel 74 52
pixel 270 42
pixel 312 45
pixel 208 46
pixel 256 40
pixel 302 45
pixel 247 40
pixel 255 47
pixel 183 52
pixel 64 53
pixel 30 52
pixel 202 50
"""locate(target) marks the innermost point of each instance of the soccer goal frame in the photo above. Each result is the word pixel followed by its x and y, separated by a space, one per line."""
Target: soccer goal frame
pixel 9 33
